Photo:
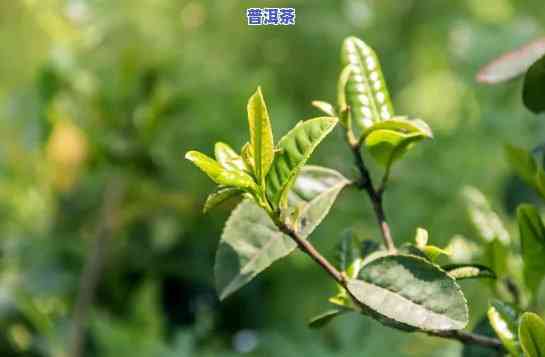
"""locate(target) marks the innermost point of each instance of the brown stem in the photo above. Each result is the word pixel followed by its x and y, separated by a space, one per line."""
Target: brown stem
pixel 375 195
pixel 94 265
pixel 469 339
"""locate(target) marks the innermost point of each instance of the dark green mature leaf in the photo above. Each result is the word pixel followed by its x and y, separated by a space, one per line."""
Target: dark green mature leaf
pixel 410 291
pixel 324 318
pixel 220 196
pixel 484 328
pixel 251 242
pixel 532 236
pixel 294 150
pixel 504 318
pixel 532 335
pixel 314 192
pixel 512 64
pixel 533 92
pixel 366 91
pixel 261 136
pixel 218 174
pixel 468 271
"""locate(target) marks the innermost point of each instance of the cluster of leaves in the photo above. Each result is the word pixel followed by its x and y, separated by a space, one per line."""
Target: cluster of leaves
pixel 403 288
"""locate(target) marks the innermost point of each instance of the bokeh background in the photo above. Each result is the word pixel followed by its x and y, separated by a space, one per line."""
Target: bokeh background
pixel 101 218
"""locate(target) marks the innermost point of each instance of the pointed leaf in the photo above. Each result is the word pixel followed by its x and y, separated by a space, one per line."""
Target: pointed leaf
pixel 261 137
pixel 324 318
pixel 532 237
pixel 532 335
pixel 512 64
pixel 294 150
pixel 407 290
pixel 366 91
pixel 504 318
pixel 468 271
pixel 220 196
pixel 315 190
pixel 533 92
pixel 228 158
pixel 325 107
pixel 218 174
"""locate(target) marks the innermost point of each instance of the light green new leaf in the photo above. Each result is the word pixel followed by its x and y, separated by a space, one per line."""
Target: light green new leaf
pixel 431 252
pixel 468 271
pixel 261 137
pixel 325 107
pixel 294 149
pixel 341 87
pixel 218 174
pixel 366 92
pixel 220 196
pixel 324 318
pixel 386 146
pixel 228 158
pixel 403 125
pixel 522 161
pixel 248 156
pixel 504 319
pixel 532 237
pixel 532 335
pixel 408 291
pixel 314 192
pixel 251 242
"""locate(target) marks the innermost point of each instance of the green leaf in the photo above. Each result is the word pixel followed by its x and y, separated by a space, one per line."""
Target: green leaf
pixel 294 149
pixel 468 271
pixel 403 125
pixel 504 318
pixel 261 137
pixel 522 161
pixel 431 252
pixel 532 237
pixel 248 156
pixel 366 91
pixel 218 174
pixel 533 91
pixel 220 196
pixel 314 192
pixel 386 146
pixel 512 64
pixel 228 158
pixel 251 242
pixel 325 107
pixel 532 335
pixel 324 318
pixel 407 290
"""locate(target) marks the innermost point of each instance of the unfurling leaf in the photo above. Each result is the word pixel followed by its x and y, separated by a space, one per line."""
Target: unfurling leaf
pixel 504 319
pixel 512 64
pixel 366 92
pixel 532 335
pixel 251 242
pixel 325 107
pixel 430 251
pixel 533 92
pixel 218 174
pixel 324 318
pixel 228 158
pixel 220 196
pixel 386 146
pixel 532 237
pixel 468 271
pixel 261 137
pixel 294 149
pixel 409 292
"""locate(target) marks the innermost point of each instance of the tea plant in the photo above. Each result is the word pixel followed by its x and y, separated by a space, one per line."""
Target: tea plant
pixel 402 286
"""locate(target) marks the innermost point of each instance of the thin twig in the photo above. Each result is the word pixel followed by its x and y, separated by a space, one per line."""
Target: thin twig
pixel 375 195
pixel 94 265
pixel 469 338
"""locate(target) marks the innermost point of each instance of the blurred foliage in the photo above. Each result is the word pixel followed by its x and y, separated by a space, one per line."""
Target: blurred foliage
pixel 96 89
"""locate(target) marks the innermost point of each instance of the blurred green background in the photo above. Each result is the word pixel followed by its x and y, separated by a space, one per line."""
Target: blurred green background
pixel 99 100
